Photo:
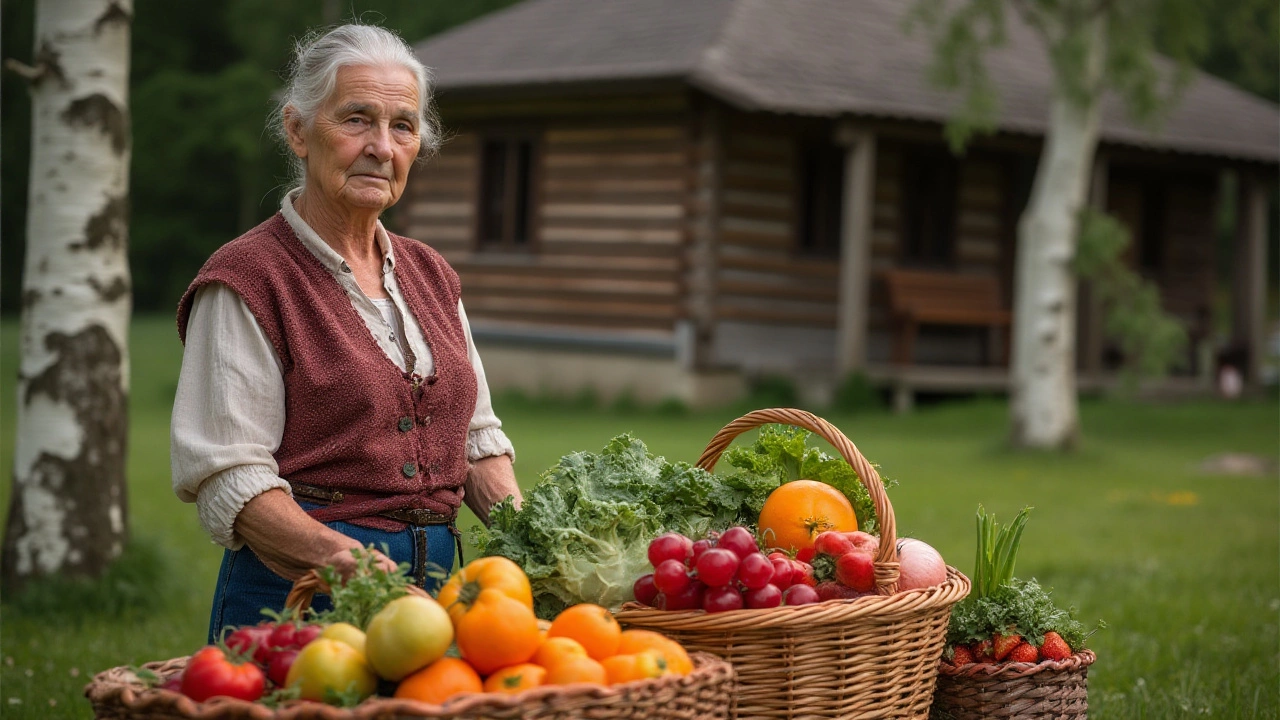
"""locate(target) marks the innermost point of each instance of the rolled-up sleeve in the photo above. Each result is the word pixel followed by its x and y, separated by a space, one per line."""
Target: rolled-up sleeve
pixel 485 437
pixel 228 413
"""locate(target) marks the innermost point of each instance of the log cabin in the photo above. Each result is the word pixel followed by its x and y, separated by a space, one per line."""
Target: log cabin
pixel 660 199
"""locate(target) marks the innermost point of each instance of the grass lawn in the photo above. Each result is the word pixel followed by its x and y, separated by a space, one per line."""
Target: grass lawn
pixel 1184 567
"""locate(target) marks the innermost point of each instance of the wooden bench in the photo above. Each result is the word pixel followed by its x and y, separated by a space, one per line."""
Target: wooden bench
pixel 924 297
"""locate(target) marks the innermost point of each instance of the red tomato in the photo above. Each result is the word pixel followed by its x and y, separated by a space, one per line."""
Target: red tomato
pixel 209 673
pixel 252 640
pixel 281 661
pixel 306 634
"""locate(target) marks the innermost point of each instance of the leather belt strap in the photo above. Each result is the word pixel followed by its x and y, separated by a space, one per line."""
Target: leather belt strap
pixel 413 516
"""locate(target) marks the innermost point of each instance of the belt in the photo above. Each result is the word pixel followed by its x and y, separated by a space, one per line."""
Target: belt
pixel 413 516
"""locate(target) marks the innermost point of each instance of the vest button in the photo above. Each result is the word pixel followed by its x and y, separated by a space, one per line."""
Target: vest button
pixel 406 424
pixel 409 469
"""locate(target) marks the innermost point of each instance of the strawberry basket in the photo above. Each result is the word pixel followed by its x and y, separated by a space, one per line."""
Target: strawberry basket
pixel 706 693
pixel 871 657
pixel 1028 691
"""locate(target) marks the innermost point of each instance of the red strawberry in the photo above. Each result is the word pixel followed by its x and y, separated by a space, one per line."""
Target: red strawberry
pixel 963 656
pixel 1002 645
pixel 1054 647
pixel 982 652
pixel 1024 653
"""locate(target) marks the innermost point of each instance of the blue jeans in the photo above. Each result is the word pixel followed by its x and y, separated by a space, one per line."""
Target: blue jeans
pixel 246 586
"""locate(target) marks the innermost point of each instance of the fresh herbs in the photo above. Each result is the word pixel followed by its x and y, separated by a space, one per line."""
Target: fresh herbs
pixel 1001 604
pixel 363 594
pixel 997 551
pixel 783 454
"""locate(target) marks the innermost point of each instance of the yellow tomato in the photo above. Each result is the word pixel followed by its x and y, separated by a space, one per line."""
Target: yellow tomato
pixel 410 633
pixel 326 665
pixel 345 633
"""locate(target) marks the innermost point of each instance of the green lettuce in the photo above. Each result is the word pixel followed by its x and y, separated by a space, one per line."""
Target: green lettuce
pixel 783 454
pixel 583 532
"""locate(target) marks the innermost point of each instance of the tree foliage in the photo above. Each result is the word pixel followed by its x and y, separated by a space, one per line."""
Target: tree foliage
pixel 203 77
pixel 202 84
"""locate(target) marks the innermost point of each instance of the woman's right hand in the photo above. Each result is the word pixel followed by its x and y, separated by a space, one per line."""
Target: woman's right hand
pixel 290 542
pixel 344 561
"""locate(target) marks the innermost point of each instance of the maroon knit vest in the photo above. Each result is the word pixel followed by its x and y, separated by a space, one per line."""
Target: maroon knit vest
pixel 354 421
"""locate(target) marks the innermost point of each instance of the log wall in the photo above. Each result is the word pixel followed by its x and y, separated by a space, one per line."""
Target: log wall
pixel 610 220
pixel 761 278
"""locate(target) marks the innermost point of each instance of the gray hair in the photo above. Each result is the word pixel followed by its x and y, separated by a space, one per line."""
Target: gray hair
pixel 313 74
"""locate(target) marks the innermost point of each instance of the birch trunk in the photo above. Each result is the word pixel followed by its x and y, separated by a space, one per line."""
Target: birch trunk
pixel 1043 404
pixel 68 510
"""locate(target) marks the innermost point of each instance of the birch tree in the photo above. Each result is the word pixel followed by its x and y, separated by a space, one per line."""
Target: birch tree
pixel 1093 46
pixel 67 514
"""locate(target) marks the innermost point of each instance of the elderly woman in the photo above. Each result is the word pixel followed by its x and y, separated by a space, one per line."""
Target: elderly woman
pixel 331 395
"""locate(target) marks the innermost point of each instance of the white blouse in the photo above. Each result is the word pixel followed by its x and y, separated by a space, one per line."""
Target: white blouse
pixel 228 413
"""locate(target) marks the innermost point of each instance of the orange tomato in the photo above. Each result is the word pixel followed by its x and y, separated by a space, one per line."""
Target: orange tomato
pixel 515 678
pixel 440 681
pixel 637 641
pixel 795 513
pixel 497 631
pixel 576 670
pixel 636 666
pixel 553 650
pixel 486 573
pixel 592 626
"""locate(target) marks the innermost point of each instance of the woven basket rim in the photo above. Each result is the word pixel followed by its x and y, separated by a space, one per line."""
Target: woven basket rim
pixel 121 686
pixel 905 603
pixel 1013 670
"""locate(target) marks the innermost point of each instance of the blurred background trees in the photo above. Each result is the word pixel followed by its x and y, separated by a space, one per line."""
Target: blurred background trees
pixel 203 76
pixel 204 168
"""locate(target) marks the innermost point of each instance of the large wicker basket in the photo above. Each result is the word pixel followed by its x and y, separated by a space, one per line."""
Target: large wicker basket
pixel 704 694
pixel 873 657
pixel 1027 691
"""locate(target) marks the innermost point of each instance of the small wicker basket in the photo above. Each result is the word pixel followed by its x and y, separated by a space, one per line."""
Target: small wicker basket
pixel 1027 691
pixel 704 694
pixel 872 657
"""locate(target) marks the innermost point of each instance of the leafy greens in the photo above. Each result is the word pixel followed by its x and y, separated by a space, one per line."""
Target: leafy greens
pixel 783 454
pixel 583 531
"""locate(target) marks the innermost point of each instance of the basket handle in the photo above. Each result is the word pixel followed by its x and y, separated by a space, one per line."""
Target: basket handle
pixel 305 588
pixel 886 560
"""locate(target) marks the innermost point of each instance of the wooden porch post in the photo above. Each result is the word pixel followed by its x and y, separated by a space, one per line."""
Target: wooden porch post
pixel 1251 273
pixel 855 246
pixel 1089 324
pixel 695 335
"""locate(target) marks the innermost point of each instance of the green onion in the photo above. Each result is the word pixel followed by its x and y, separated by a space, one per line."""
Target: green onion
pixel 997 551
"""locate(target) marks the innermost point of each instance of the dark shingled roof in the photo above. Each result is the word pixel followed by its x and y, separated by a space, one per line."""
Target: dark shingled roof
pixel 807 57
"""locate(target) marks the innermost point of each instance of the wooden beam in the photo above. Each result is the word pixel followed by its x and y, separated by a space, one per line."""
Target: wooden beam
pixel 707 190
pixel 856 226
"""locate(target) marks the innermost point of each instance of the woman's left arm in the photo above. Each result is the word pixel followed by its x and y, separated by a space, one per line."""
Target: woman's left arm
pixel 492 477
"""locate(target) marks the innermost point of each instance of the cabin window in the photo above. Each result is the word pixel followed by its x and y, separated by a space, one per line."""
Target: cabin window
pixel 928 191
pixel 821 194
pixel 506 165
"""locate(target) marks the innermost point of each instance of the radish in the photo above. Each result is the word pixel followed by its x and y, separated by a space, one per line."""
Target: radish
pixel 919 565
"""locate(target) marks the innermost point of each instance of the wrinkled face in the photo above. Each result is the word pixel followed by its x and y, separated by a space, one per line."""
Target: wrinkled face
pixel 364 139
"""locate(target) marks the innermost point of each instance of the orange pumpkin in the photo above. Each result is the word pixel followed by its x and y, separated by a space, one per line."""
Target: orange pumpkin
pixel 795 513
pixel 496 631
pixel 494 572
